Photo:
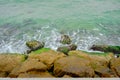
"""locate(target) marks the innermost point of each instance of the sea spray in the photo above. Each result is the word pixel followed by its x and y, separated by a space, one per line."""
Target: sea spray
pixel 51 36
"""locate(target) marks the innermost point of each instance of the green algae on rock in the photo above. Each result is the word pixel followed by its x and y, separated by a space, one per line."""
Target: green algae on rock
pixel 34 44
pixel 65 39
pixel 106 48
pixel 40 51
pixel 64 49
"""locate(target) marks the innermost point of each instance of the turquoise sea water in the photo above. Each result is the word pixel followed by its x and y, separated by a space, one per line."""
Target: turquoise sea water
pixel 88 22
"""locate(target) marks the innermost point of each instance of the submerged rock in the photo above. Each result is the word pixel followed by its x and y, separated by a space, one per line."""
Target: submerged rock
pixel 73 66
pixel 65 39
pixel 34 45
pixel 106 48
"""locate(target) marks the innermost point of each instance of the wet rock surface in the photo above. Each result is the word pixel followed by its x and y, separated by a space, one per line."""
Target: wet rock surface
pixel 34 45
pixel 106 48
pixel 66 49
pixel 65 39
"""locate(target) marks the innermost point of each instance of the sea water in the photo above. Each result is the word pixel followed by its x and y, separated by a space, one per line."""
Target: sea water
pixel 87 22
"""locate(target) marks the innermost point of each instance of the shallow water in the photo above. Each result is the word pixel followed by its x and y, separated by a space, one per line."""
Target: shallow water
pixel 88 22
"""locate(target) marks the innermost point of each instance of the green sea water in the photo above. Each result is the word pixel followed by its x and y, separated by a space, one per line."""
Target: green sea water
pixel 88 22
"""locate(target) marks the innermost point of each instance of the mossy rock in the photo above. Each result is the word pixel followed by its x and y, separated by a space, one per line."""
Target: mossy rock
pixel 106 48
pixel 65 39
pixel 34 44
pixel 40 51
pixel 72 47
pixel 64 49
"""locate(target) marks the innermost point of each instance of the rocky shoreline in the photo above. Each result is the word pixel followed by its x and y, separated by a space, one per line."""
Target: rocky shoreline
pixel 66 62
pixel 47 63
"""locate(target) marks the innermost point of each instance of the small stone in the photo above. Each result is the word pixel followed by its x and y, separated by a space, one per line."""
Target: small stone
pixel 64 49
pixel 34 45
pixel 72 47
pixel 65 39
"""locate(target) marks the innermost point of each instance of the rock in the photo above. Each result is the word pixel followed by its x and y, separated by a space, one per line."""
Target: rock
pixel 39 51
pixel 28 65
pixel 66 49
pixel 35 74
pixel 99 59
pixel 66 76
pixel 72 47
pixel 79 53
pixel 106 48
pixel 9 61
pixel 47 57
pixel 32 64
pixel 34 45
pixel 65 39
pixel 3 74
pixel 73 66
pixel 104 71
pixel 63 49
pixel 115 66
pixel 15 72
